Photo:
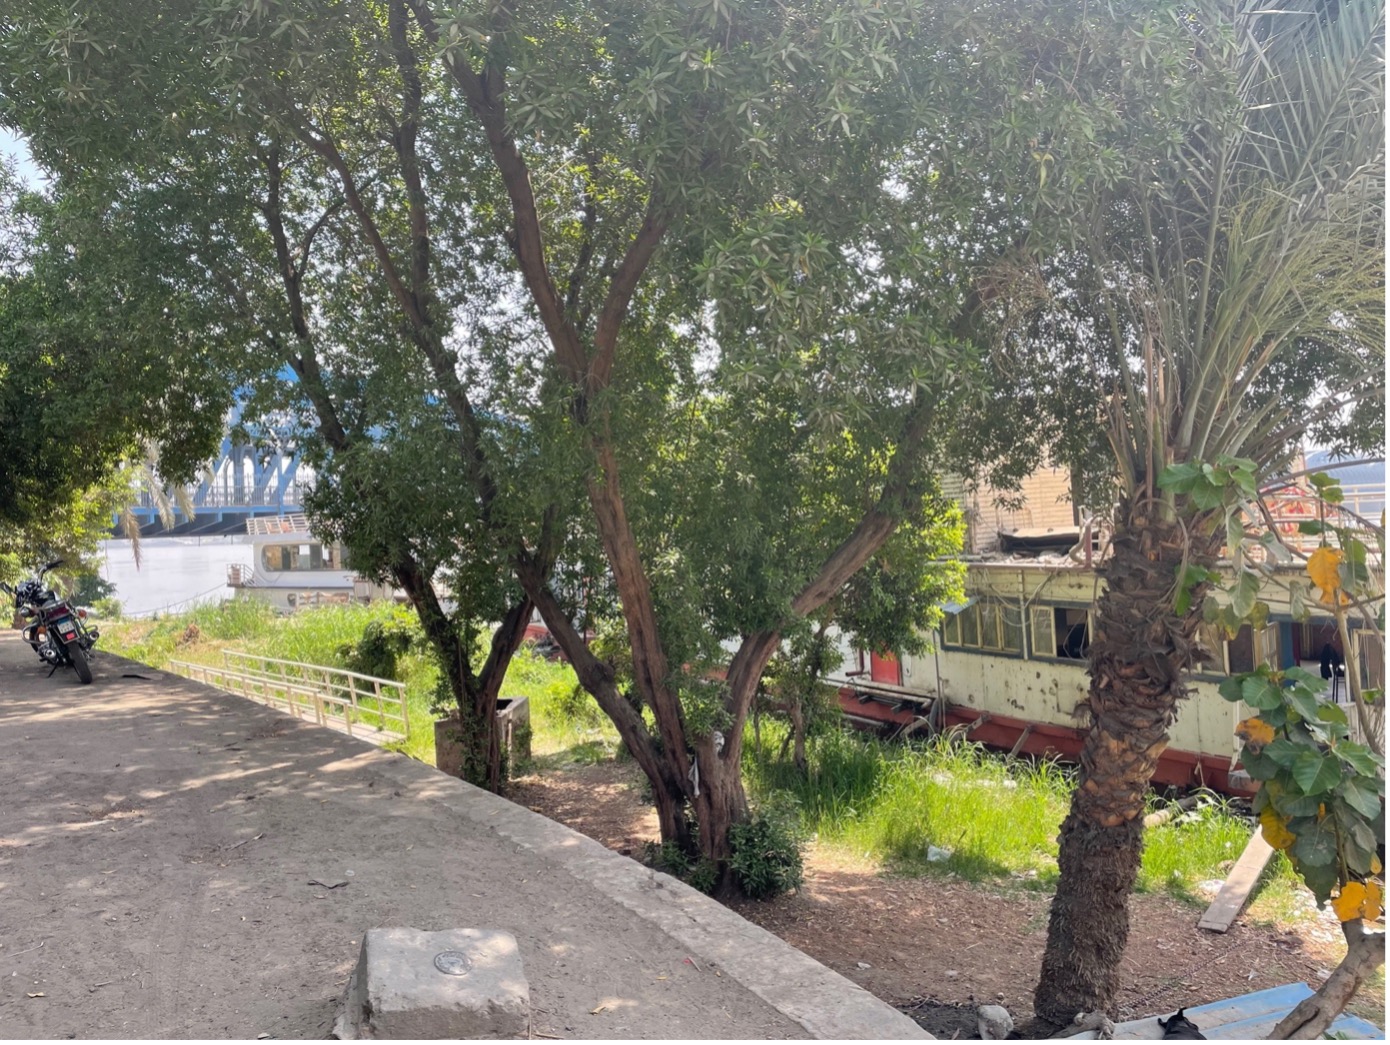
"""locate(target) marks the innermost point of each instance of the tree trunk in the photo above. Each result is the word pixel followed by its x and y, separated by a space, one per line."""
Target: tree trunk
pixel 798 716
pixel 1138 656
pixel 668 790
pixel 1312 1016
pixel 720 805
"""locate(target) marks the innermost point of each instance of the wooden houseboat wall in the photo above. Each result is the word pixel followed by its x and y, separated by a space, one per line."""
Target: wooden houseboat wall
pixel 1010 664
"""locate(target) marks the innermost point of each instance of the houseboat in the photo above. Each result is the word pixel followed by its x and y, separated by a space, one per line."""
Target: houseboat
pixel 293 569
pixel 1009 665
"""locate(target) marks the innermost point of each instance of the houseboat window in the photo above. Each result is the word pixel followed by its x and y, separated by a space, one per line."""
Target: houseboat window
pixel 301 557
pixel 950 630
pixel 1061 632
pixel 1072 630
pixel 1370 648
pixel 970 625
pixel 1250 648
pixel 1012 623
pixel 1040 626
pixel 1213 640
pixel 985 625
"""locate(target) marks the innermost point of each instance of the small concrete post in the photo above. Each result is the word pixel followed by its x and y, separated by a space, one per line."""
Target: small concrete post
pixel 456 983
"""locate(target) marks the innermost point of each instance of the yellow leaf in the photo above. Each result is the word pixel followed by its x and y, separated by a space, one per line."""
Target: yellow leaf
pixel 1274 828
pixel 1375 864
pixel 1255 732
pixel 1348 905
pixel 1322 569
pixel 1370 910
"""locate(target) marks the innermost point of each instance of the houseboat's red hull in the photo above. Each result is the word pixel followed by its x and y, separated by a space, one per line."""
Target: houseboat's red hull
pixel 883 710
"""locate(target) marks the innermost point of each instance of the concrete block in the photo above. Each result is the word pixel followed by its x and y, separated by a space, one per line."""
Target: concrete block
pixel 456 983
pixel 513 723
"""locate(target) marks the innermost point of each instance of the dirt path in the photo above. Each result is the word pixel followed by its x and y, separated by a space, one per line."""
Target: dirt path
pixel 936 948
pixel 168 857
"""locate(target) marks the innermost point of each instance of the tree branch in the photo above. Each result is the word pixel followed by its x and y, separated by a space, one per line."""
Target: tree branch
pixel 485 97
pixel 404 140
pixel 1313 1015
pixel 620 291
pixel 878 523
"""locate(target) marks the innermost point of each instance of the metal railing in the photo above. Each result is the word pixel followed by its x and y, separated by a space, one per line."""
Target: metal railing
pixel 362 706
pixel 1290 507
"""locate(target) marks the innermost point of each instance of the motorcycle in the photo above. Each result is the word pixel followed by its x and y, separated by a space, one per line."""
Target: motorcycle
pixel 55 629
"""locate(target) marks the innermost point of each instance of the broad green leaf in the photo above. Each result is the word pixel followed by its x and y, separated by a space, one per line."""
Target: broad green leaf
pixel 1259 615
pixel 1235 535
pixel 1298 805
pixel 1260 692
pixel 1362 798
pixel 1316 773
pixel 1302 675
pixel 1363 837
pixel 1298 601
pixel 1316 845
pixel 1207 496
pixel 1303 702
pixel 1362 759
pixel 1232 688
pixel 1180 477
pixel 1328 712
pixel 1284 752
pixel 1321 879
pixel 1260 767
pixel 1246 591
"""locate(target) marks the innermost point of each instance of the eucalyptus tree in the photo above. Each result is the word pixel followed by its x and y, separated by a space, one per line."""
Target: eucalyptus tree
pixel 1218 306
pixel 767 220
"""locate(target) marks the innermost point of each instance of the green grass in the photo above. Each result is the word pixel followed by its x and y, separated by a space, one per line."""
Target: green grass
pixel 566 724
pixel 902 805
pixel 315 636
pixel 564 728
pixel 998 819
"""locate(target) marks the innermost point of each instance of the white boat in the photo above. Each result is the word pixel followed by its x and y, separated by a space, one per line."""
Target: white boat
pixel 291 568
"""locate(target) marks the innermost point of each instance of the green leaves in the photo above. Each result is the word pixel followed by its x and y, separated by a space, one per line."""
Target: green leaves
pixel 1316 773
pixel 1364 797
pixel 1318 788
pixel 1211 486
pixel 1316 844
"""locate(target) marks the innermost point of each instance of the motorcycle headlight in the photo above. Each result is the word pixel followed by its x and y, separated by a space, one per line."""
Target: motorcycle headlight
pixel 26 611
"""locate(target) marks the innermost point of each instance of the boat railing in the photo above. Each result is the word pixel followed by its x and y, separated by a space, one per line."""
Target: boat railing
pixel 241 575
pixel 363 706
pixel 1290 508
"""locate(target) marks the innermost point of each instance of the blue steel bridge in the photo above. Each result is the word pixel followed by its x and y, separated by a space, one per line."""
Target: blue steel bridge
pixel 243 482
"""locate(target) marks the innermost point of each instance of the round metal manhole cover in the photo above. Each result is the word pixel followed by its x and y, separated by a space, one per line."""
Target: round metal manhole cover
pixel 453 963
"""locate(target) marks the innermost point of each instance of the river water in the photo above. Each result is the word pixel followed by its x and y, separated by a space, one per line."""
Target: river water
pixel 174 573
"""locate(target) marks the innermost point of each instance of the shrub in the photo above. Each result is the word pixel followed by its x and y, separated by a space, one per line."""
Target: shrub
pixel 698 873
pixel 766 850
pixel 382 643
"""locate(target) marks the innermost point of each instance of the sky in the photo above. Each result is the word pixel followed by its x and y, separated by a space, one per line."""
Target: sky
pixel 14 149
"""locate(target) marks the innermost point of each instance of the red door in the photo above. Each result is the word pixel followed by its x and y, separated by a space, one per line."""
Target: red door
pixel 884 667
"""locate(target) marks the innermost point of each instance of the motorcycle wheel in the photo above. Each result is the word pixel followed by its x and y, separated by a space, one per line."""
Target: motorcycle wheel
pixel 78 656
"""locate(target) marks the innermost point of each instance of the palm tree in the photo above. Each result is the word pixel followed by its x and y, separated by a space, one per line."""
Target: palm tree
pixel 1233 290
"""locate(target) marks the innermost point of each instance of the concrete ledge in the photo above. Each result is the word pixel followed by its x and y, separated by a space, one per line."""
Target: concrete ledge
pixel 823 1002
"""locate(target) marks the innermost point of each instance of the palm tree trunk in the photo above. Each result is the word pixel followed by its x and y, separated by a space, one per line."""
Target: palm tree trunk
pixel 1138 657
